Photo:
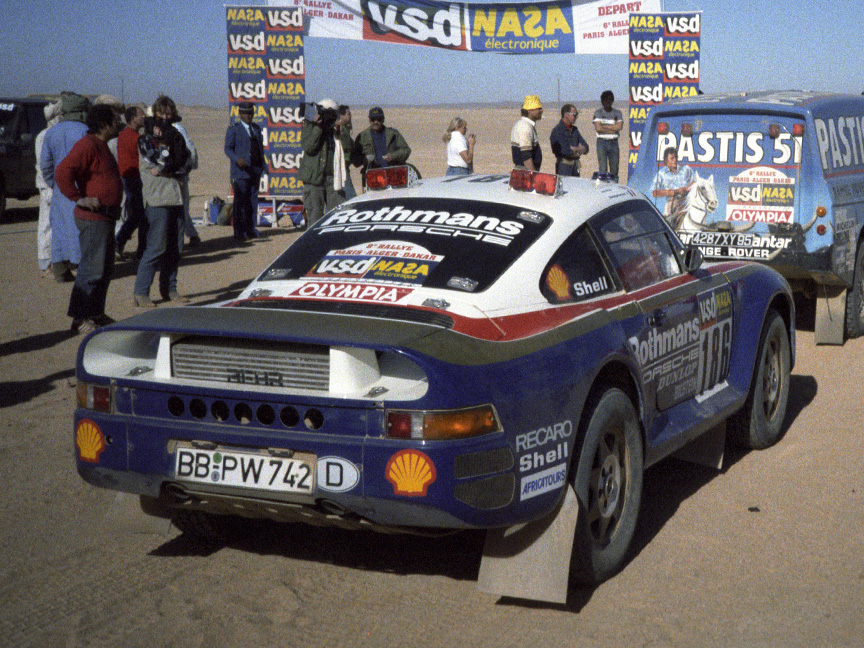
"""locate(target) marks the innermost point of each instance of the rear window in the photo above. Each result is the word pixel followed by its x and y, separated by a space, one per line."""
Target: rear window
pixel 450 244
pixel 8 112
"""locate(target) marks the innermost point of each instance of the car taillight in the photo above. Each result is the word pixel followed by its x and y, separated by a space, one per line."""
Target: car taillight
pixel 93 397
pixel 547 184
pixel 387 177
pixel 442 424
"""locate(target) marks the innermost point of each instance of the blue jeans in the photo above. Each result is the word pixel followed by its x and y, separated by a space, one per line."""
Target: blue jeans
pixel 164 245
pixel 135 216
pixel 607 156
pixel 457 171
pixel 94 270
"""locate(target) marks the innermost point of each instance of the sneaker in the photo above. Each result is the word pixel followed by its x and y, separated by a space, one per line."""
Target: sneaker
pixel 143 301
pixel 83 326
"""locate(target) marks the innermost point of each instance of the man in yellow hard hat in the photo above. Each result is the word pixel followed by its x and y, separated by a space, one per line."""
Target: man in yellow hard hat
pixel 524 143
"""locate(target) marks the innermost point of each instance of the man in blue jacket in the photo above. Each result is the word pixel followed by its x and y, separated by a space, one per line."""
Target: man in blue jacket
pixel 244 145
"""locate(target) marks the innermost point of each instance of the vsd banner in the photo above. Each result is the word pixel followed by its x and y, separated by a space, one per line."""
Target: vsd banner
pixel 664 64
pixel 559 26
pixel 266 66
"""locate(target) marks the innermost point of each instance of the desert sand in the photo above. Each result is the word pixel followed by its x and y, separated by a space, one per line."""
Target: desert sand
pixel 766 552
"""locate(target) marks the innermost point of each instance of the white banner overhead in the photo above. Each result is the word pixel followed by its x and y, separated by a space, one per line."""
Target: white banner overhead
pixel 559 27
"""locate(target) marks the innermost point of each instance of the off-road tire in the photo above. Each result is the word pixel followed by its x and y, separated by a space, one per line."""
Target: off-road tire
pixel 760 422
pixel 608 485
pixel 855 298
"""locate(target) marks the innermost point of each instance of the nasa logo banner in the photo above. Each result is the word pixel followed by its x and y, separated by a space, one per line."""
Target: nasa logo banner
pixel 663 54
pixel 266 66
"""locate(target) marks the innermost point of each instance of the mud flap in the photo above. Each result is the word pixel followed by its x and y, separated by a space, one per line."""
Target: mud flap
pixel 707 449
pixel 127 514
pixel 532 560
pixel 830 314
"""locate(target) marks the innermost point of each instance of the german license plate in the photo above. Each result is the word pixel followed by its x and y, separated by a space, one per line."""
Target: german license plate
pixel 246 470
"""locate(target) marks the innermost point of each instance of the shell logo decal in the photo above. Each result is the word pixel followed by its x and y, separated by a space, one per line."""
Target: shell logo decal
pixel 411 472
pixel 558 283
pixel 90 441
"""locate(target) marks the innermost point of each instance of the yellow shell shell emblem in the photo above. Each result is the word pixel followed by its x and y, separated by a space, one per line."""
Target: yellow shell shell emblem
pixel 558 282
pixel 411 472
pixel 90 441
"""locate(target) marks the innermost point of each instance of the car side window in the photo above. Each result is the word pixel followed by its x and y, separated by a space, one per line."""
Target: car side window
pixel 639 248
pixel 577 271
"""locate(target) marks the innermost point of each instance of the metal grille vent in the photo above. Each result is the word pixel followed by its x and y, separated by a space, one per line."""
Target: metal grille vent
pixel 252 362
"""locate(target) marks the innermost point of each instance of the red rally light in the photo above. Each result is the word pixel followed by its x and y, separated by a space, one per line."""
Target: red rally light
pixel 387 177
pixel 543 183
pixel 798 130
pixel 687 130
pixel 662 128
pixel 821 229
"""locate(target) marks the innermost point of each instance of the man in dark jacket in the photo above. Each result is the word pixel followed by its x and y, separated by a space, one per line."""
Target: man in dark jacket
pixel 379 145
pixel 244 146
pixel 567 142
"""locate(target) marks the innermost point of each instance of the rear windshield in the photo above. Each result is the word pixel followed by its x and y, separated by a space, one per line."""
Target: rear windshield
pixel 451 244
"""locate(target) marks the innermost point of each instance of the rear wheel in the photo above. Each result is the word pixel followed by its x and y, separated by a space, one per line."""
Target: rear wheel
pixel 855 298
pixel 760 421
pixel 608 484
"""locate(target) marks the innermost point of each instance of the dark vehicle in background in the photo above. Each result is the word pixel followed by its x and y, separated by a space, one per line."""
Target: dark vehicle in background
pixel 20 121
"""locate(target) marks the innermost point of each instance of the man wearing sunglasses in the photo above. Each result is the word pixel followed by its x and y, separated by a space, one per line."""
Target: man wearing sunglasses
pixel 379 145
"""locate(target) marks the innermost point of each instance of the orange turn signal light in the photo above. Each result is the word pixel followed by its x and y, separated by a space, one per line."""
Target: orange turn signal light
pixel 442 424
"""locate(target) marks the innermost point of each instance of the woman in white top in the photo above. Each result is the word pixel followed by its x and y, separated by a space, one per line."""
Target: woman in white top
pixel 460 149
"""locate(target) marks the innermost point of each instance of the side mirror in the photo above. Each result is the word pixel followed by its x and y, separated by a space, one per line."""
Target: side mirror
pixel 692 258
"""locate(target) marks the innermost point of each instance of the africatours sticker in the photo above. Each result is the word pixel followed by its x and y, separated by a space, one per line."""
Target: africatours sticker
pixel 383 261
pixel 397 218
pixel 543 482
pixel 761 195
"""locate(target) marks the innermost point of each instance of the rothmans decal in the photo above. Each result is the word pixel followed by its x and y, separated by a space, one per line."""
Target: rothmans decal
pixel 489 229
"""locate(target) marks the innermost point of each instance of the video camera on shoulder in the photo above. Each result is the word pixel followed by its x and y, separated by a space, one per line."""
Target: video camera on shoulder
pixel 327 110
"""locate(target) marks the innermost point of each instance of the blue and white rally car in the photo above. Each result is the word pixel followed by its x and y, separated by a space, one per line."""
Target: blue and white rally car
pixel 487 352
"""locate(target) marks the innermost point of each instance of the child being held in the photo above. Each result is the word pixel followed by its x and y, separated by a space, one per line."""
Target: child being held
pixel 164 147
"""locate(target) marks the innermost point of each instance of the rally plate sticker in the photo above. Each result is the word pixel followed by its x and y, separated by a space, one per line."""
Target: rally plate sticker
pixel 253 470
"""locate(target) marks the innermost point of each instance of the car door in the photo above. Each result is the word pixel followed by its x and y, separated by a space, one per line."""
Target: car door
pixel 682 337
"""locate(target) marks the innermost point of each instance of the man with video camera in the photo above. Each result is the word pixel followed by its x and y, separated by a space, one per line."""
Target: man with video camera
pixel 324 140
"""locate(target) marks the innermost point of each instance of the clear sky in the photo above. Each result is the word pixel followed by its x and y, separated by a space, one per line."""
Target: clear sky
pixel 139 49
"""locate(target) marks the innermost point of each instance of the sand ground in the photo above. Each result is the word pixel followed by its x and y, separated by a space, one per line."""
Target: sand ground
pixel 766 552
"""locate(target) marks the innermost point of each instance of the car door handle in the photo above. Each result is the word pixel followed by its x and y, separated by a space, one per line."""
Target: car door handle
pixel 656 318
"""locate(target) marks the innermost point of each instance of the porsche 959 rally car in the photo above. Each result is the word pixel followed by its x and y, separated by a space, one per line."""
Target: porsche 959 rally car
pixel 480 352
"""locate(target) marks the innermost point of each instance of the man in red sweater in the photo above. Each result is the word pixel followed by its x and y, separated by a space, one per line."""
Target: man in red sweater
pixel 127 160
pixel 90 178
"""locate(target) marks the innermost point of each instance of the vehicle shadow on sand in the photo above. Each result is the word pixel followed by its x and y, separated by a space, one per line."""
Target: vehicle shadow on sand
pixel 456 555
